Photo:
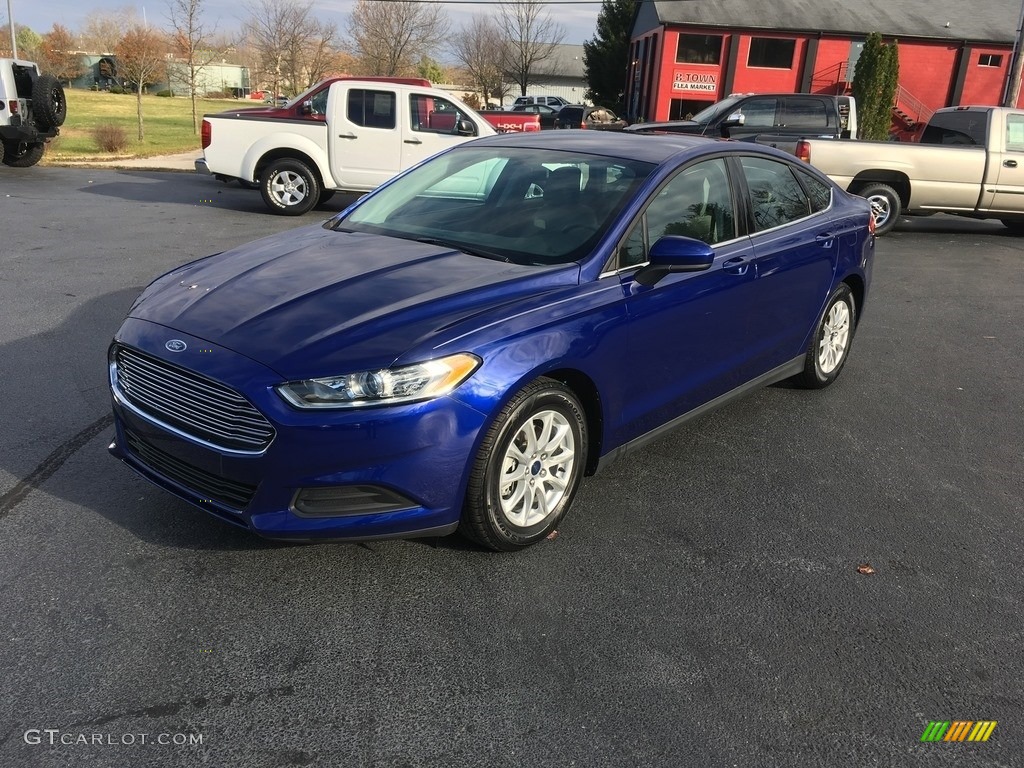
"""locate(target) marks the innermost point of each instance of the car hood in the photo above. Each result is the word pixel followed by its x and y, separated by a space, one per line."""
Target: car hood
pixel 314 302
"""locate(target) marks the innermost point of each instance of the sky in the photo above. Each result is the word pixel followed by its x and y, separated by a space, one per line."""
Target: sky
pixel 578 18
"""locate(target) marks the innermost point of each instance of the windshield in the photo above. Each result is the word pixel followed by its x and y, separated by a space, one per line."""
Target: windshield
pixel 527 206
pixel 708 114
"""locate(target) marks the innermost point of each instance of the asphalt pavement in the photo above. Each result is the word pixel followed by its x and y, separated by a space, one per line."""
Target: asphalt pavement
pixel 706 603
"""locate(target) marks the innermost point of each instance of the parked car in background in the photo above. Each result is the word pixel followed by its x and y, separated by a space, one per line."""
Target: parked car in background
pixel 548 115
pixel 594 118
pixel 551 101
pixel 32 110
pixel 459 348
pixel 775 119
pixel 969 162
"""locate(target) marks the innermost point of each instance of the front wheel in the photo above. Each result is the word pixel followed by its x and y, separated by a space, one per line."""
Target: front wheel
pixel 289 187
pixel 885 205
pixel 528 468
pixel 1015 225
pixel 23 155
pixel 830 344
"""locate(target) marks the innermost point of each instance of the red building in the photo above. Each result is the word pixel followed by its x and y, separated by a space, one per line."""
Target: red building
pixel 686 55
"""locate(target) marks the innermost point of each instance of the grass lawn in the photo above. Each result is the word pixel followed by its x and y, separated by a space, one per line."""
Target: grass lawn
pixel 167 123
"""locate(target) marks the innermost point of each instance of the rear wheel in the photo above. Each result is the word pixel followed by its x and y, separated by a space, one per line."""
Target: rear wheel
pixel 528 469
pixel 289 187
pixel 48 103
pixel 830 345
pixel 22 155
pixel 885 205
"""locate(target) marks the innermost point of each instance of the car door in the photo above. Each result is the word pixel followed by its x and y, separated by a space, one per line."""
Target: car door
pixel 760 115
pixel 689 333
pixel 430 127
pixel 365 145
pixel 1006 164
pixel 796 247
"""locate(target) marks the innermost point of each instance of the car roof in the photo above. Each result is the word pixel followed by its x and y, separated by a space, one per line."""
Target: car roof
pixel 653 148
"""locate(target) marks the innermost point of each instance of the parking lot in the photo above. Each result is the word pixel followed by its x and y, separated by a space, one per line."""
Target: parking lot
pixel 704 603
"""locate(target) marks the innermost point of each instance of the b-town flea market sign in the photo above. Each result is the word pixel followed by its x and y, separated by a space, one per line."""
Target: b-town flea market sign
pixel 703 82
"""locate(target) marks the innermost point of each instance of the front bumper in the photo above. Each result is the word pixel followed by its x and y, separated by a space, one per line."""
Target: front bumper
pixel 418 452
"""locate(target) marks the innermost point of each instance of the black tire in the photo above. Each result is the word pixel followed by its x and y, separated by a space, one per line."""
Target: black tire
pixel 885 205
pixel 48 103
pixel 24 155
pixel 485 518
pixel 325 195
pixel 289 187
pixel 1016 226
pixel 823 363
pixel 2 151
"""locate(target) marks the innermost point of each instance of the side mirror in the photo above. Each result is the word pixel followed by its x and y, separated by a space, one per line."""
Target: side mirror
pixel 735 120
pixel 675 253
pixel 307 107
pixel 465 127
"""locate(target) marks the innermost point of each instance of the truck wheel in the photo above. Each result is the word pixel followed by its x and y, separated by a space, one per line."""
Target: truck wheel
pixel 25 156
pixel 289 187
pixel 885 205
pixel 48 103
pixel 1016 226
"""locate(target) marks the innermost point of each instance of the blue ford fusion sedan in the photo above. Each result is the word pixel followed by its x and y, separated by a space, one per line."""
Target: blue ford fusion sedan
pixel 459 348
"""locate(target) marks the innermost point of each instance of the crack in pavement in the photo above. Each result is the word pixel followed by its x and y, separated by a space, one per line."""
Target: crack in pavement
pixel 48 466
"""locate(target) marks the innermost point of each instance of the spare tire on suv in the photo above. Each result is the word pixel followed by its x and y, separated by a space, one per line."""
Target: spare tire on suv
pixel 49 106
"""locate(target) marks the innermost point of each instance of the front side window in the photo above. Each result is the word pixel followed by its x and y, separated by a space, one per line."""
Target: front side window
pixel 1015 133
pixel 696 203
pixel 759 113
pixel 776 197
pixel 431 114
pixel 371 109
pixel 771 52
pixel 699 49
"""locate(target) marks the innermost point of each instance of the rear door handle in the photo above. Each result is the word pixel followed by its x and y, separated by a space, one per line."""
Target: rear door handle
pixel 347 136
pixel 1010 163
pixel 413 141
pixel 825 238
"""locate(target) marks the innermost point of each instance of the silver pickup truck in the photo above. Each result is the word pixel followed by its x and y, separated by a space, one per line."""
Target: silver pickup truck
pixel 969 162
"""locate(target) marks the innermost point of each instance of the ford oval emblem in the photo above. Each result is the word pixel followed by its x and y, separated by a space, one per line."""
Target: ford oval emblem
pixel 176 345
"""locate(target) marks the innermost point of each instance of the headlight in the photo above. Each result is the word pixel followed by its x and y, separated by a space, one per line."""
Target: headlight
pixel 421 381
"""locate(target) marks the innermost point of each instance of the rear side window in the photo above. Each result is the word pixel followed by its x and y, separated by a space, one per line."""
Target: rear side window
pixel 964 127
pixel 776 197
pixel 818 192
pixel 806 113
pixel 371 109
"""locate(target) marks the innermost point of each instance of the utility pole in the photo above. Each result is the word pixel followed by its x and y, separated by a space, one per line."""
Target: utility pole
pixel 1013 87
pixel 10 24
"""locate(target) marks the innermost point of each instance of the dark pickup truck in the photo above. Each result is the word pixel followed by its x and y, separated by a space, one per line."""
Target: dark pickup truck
pixel 775 119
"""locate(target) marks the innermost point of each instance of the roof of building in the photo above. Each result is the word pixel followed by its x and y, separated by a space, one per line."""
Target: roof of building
pixel 980 20
pixel 565 61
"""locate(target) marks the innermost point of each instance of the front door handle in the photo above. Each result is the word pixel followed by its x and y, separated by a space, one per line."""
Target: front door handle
pixel 737 265
pixel 1010 163
pixel 347 136
pixel 413 141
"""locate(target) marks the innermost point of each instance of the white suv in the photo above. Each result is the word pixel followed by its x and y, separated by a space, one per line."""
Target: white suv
pixel 32 110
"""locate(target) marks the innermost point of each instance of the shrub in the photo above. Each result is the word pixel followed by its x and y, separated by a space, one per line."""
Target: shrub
pixel 110 137
pixel 165 93
pixel 219 95
pixel 116 89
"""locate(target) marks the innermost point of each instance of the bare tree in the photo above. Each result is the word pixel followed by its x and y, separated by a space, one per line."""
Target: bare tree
pixel 531 37
pixel 140 59
pixel 192 40
pixel 271 31
pixel 58 56
pixel 480 48
pixel 388 37
pixel 311 52
pixel 103 29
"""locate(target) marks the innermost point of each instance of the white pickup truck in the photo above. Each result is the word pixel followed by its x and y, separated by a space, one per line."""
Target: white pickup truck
pixel 343 134
pixel 969 162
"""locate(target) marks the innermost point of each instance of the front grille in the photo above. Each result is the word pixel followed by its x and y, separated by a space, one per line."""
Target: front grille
pixel 194 404
pixel 203 484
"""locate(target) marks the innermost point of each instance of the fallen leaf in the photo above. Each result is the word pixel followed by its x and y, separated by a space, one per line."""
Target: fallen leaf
pixel 552 536
pixel 865 569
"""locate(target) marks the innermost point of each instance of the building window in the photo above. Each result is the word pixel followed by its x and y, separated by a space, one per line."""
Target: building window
pixel 771 52
pixel 990 60
pixel 699 49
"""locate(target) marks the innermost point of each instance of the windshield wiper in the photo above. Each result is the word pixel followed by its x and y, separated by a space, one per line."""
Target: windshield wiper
pixel 464 249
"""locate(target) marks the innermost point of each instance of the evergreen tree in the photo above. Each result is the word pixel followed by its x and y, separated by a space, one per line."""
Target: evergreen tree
pixel 875 80
pixel 606 56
